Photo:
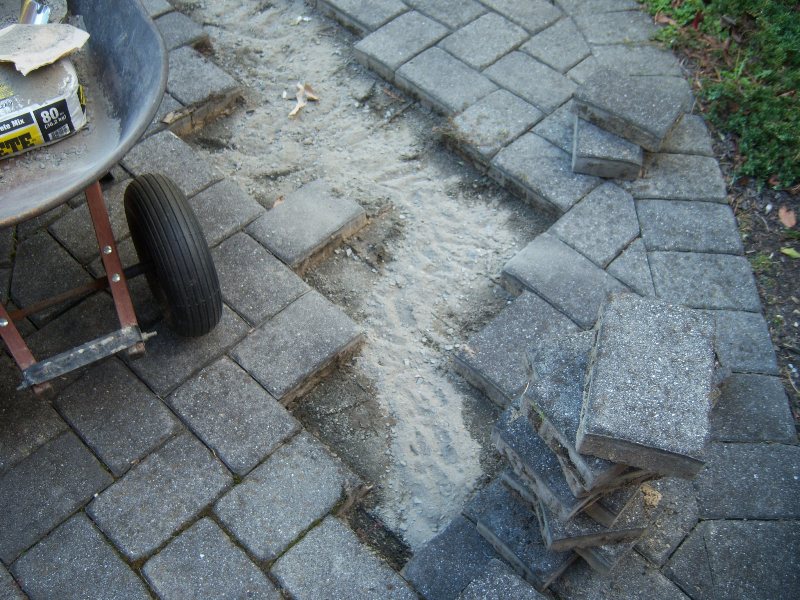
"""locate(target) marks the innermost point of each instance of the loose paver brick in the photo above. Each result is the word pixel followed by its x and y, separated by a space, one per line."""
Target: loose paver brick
pixel 287 351
pixel 497 583
pixel 397 42
pixel 202 562
pixel 677 518
pixel 743 342
pixel 510 525
pixel 75 231
pixel 600 225
pixel 560 46
pixel 255 283
pixel 533 15
pixel 484 41
pixel 752 408
pixel 295 487
pixel 739 559
pixel 361 15
pixel 531 80
pixel 75 561
pixel 158 496
pixel 639 59
pixel 310 220
pixel 604 154
pixel 698 280
pixel 493 122
pixel 622 27
pixel 542 173
pixel 26 420
pixel 494 359
pixel 689 136
pixel 443 82
pixel 633 579
pixel 171 359
pixel 9 590
pixel 563 277
pixel 223 209
pixel 331 562
pixel 453 13
pixel 116 415
pixel 233 415
pixel 750 481
pixel 44 489
pixel 445 565
pixel 193 79
pixel 166 153
pixel 647 394
pixel 689 226
pixel 179 30
pixel 36 256
pixel 558 127
pixel 605 100
pixel 680 177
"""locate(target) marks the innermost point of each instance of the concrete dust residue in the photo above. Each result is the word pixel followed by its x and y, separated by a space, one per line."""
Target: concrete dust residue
pixel 417 298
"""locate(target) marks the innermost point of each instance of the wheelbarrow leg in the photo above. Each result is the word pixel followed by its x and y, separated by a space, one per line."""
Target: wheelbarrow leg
pixel 117 282
pixel 17 347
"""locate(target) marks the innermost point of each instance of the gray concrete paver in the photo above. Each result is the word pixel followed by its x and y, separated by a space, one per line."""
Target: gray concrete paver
pixel 743 342
pixel 484 41
pixel 531 80
pixel 499 582
pixel 453 13
pixel 9 590
pixel 223 209
pixel 560 46
pixel 533 15
pixel 194 79
pixel 752 408
pixel 689 226
pixel 364 17
pixel 179 30
pixel 622 27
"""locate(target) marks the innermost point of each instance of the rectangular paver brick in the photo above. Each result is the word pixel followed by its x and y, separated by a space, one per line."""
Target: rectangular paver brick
pixel 744 343
pixel 179 30
pixel 446 564
pixel 600 225
pixel 689 226
pixel 499 582
pixel 633 269
pixel 397 42
pixel 558 127
pixel 716 281
pixel 689 136
pixel 309 220
pixel 680 177
pixel 453 13
pixel 493 122
pixel 158 496
pixel 44 489
pixel 295 487
pixel 75 561
pixel 116 415
pixel 615 27
pixel 443 82
pixel 533 15
pixel 494 358
pixel 484 41
pixel 233 415
pixel 202 562
pixel 542 173
pixel 560 46
pixel 752 408
pixel 287 351
pixel 223 209
pixel 563 277
pixel 750 481
pixel 255 283
pixel 364 16
pixel 531 80
pixel 193 79
pixel 331 562
pixel 648 392
pixel 637 59
pixel 604 154
pixel 605 100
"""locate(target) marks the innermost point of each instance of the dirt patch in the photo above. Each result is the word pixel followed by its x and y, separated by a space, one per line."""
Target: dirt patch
pixel 418 279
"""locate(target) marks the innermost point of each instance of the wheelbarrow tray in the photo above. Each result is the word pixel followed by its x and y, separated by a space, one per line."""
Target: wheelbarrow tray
pixel 124 72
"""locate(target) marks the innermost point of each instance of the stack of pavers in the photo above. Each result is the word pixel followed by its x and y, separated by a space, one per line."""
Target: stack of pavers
pixel 618 117
pixel 605 411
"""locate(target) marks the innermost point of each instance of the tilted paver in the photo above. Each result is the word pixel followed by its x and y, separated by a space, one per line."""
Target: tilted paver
pixel 168 489
pixel 739 559
pixel 604 154
pixel 295 487
pixel 44 489
pixel 447 563
pixel 305 570
pixel 499 582
pixel 75 561
pixel 233 415
pixel 202 562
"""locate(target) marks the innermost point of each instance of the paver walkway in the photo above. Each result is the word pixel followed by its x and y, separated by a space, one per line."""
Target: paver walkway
pixel 183 475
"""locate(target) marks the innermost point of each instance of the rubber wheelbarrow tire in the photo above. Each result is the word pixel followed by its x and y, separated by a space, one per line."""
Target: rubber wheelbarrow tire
pixel 181 272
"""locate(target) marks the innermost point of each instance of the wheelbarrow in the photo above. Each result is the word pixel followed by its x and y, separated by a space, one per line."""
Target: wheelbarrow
pixel 124 80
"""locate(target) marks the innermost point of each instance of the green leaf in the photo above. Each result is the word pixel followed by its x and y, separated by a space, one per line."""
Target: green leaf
pixel 790 252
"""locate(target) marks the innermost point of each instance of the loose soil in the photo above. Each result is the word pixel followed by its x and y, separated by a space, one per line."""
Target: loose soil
pixel 418 279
